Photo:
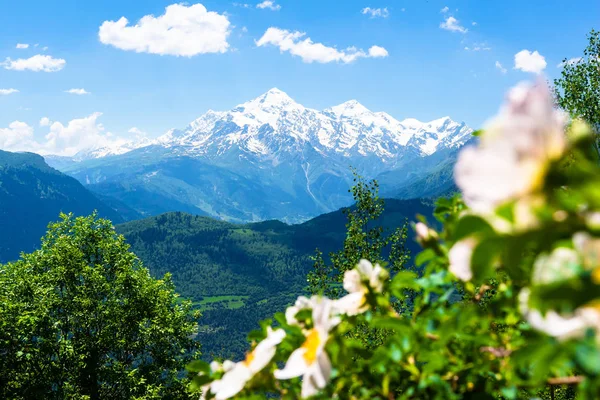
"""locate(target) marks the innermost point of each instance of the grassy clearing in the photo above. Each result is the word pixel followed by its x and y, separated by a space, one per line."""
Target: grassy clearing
pixel 228 302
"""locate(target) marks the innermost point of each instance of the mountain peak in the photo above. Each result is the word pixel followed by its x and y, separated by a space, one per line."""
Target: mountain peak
pixel 275 96
pixel 350 108
pixel 271 101
pixel 411 123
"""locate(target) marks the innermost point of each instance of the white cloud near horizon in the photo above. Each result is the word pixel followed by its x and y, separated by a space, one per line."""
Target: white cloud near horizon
pixel 180 31
pixel 137 132
pixel 268 4
pixel 453 25
pixel 501 68
pixel 571 61
pixel 528 61
pixel 22 46
pixel 310 51
pixel 445 10
pixel 376 12
pixel 6 92
pixel 77 91
pixel 478 47
pixel 17 137
pixel 64 140
pixel 37 63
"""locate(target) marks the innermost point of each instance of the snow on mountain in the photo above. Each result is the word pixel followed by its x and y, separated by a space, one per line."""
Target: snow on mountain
pixel 274 123
pixel 273 127
pixel 268 158
pixel 117 147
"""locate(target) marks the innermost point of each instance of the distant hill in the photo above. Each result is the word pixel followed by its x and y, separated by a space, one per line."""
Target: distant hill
pixel 241 273
pixel 31 195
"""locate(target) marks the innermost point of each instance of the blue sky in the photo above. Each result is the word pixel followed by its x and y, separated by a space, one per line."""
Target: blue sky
pixel 426 74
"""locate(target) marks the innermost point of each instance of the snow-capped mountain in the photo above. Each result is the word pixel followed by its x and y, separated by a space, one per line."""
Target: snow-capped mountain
pixel 271 157
pixel 261 126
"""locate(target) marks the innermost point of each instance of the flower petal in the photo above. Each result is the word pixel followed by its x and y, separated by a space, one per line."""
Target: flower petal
pixel 232 382
pixel 295 366
pixel 460 259
pixel 351 304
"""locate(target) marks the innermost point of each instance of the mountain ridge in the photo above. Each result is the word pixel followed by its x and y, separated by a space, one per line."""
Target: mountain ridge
pixel 32 194
pixel 270 158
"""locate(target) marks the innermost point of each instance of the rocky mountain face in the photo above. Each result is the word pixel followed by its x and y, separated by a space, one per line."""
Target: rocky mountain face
pixel 268 158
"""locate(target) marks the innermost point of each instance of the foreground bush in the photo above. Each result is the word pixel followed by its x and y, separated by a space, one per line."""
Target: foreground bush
pixel 506 303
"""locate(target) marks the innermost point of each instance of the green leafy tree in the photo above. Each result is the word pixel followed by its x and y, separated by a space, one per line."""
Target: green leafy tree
pixel 577 91
pixel 81 318
pixel 365 239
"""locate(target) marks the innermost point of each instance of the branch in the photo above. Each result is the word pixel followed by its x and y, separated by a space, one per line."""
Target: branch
pixel 496 351
pixel 566 380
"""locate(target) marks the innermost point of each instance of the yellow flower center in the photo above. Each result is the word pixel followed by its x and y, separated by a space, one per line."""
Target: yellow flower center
pixel 312 343
pixel 596 276
pixel 249 358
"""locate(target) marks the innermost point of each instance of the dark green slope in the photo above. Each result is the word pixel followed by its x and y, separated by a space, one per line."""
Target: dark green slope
pixel 31 195
pixel 241 273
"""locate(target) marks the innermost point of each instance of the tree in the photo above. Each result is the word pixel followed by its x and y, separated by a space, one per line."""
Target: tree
pixel 82 318
pixel 365 239
pixel 577 91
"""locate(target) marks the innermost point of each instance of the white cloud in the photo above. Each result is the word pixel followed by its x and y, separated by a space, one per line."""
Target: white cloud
pixel 479 47
pixel 376 12
pixel 180 31
pixel 243 5
pixel 444 10
pixel 310 52
pixel 17 137
pixel 65 140
pixel 44 48
pixel 378 51
pixel 474 23
pixel 137 132
pixel 22 46
pixel 6 92
pixel 571 61
pixel 500 67
pixel 528 61
pixel 79 91
pixel 36 63
pixel 453 25
pixel 269 4
pixel 244 29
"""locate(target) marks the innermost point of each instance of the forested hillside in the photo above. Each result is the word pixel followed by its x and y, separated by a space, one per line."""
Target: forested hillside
pixel 31 195
pixel 239 274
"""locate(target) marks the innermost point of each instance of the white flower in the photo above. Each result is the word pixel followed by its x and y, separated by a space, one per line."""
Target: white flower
pixel 423 231
pixel 512 156
pixel 310 360
pixel 216 367
pixel 234 379
pixel 592 220
pixel 589 249
pixel 558 326
pixel 302 303
pixel 460 259
pixel 562 263
pixel 354 283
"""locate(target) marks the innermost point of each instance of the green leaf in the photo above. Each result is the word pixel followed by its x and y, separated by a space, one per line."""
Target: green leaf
pixel 470 225
pixel 198 366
